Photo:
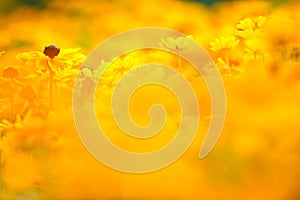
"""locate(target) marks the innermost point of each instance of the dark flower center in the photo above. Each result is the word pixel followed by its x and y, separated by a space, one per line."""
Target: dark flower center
pixel 51 51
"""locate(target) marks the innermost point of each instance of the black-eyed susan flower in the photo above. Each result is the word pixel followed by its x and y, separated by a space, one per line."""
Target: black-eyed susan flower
pixel 51 59
pixel 57 62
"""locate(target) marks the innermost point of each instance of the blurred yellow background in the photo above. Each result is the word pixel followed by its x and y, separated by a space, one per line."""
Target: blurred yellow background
pixel 256 47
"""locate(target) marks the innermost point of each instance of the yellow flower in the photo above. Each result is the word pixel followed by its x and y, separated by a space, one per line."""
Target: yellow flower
pixel 51 59
pixel 2 52
pixel 61 64
pixel 250 27
pixel 223 44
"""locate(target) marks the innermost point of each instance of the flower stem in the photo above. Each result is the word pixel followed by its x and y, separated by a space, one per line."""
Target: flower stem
pixel 51 84
pixel 1 178
pixel 227 62
pixel 294 55
pixel 12 107
pixel 1 165
pixel 179 63
pixel 283 55
pixel 11 102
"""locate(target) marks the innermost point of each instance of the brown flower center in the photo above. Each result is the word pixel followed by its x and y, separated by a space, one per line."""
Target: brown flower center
pixel 51 51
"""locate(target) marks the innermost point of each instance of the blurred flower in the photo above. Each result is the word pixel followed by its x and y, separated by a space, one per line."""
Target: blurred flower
pixel 223 44
pixel 6 125
pixel 10 88
pixel 29 176
pixel 226 70
pixel 223 47
pixel 177 45
pixel 116 69
pixel 121 66
pixel 250 27
pixel 281 37
pixel 256 50
pixel 10 72
pixel 85 84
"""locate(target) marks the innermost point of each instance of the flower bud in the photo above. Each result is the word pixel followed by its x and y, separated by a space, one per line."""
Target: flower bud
pixel 10 72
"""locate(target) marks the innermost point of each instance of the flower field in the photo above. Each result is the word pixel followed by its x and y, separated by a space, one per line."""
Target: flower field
pixel 254 44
